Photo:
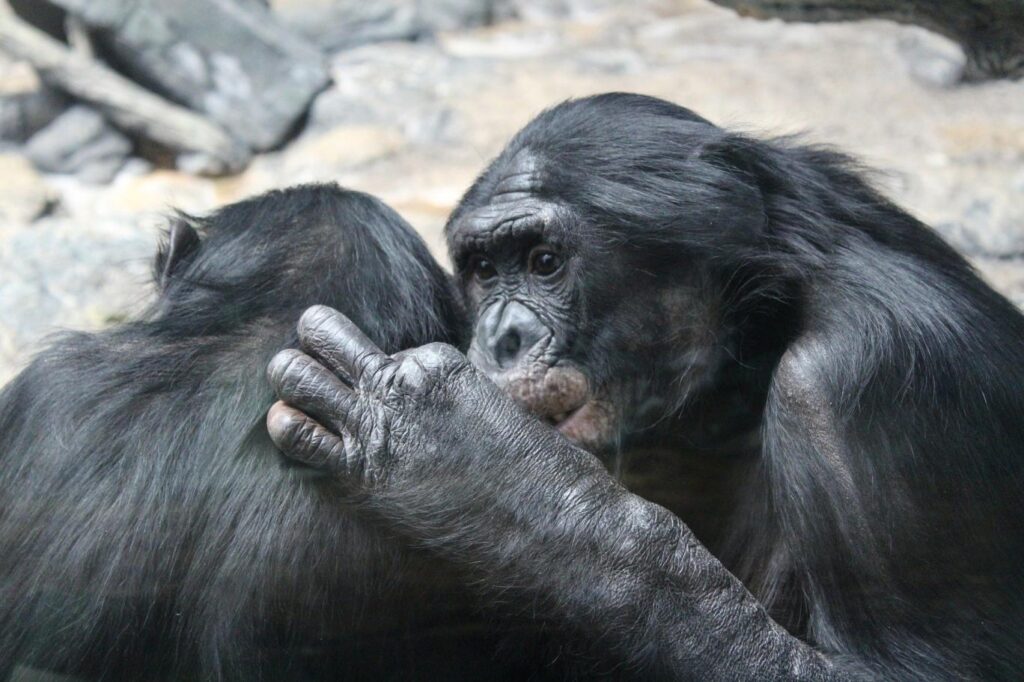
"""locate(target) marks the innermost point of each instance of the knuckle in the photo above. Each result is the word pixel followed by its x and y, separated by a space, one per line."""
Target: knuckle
pixel 443 353
pixel 410 374
pixel 302 437
pixel 458 368
pixel 368 359
pixel 419 372
pixel 321 447
pixel 377 378
pixel 301 380
pixel 337 453
pixel 293 437
pixel 315 443
pixel 439 359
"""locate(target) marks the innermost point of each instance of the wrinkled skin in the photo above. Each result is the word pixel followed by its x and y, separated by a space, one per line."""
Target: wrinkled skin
pixel 384 425
pixel 373 405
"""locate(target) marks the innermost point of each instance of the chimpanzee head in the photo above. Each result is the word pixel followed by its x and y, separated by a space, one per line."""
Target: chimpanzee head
pixel 260 262
pixel 593 255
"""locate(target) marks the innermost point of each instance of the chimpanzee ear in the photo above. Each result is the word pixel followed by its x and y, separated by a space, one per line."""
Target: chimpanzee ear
pixel 182 243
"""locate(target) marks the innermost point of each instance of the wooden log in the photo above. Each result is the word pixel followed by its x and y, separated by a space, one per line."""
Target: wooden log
pixel 991 32
pixel 128 105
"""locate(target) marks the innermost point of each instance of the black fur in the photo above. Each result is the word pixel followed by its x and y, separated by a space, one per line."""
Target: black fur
pixel 877 511
pixel 149 529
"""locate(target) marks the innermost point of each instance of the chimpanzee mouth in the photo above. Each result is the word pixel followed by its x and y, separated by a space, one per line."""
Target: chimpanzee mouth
pixel 560 418
pixel 591 425
pixel 563 397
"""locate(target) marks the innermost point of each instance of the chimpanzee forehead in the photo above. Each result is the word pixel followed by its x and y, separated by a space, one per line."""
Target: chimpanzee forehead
pixel 517 173
pixel 509 217
pixel 506 201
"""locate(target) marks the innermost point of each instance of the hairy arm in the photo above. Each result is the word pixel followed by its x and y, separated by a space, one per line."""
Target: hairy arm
pixel 433 447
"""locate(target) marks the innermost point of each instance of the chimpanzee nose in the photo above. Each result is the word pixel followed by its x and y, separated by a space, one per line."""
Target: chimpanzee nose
pixel 506 349
pixel 518 331
pixel 505 334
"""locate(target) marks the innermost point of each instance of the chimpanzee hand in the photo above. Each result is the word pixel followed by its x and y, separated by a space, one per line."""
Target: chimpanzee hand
pixel 433 446
pixel 423 428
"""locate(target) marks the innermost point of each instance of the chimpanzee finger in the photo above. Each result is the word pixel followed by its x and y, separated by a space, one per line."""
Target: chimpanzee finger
pixel 303 439
pixel 305 384
pixel 339 344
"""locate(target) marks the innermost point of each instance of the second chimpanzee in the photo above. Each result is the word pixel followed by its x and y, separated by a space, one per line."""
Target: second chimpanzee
pixel 149 529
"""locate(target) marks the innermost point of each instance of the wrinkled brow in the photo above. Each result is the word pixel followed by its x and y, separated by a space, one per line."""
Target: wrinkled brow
pixel 503 221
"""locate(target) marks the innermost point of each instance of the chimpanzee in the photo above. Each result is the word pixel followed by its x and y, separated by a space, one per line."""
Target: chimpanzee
pixel 638 276
pixel 149 528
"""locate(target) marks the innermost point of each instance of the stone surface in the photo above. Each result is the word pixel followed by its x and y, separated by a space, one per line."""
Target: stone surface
pixel 343 147
pixel 25 113
pixel 26 105
pixel 414 122
pixel 66 274
pixel 233 61
pixel 24 195
pixel 337 24
pixel 80 142
pixel 932 59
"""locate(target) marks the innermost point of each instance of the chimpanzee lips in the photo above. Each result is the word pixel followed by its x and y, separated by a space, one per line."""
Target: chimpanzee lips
pixel 562 396
pixel 548 392
pixel 560 418
pixel 557 419
pixel 592 425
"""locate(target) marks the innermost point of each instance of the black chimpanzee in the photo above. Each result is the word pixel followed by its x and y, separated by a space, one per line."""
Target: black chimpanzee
pixel 638 275
pixel 149 529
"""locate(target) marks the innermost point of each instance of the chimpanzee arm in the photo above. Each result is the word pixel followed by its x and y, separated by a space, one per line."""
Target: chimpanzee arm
pixel 435 448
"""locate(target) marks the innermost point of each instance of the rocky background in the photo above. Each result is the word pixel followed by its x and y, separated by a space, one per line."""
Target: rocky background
pixel 422 94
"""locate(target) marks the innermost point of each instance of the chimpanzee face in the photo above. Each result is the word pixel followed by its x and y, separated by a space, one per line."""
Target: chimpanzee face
pixel 519 262
pixel 597 254
pixel 568 324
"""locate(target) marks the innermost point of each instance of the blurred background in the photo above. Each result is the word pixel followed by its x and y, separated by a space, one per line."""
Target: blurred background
pixel 112 112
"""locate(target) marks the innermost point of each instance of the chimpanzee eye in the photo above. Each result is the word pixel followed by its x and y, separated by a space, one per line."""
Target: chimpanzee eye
pixel 544 262
pixel 481 268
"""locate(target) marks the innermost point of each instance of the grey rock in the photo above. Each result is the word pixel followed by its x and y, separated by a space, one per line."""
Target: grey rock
pixel 42 15
pixel 546 10
pixel 234 61
pixel 932 59
pixel 447 15
pixel 25 195
pixel 437 125
pixel 343 25
pixel 340 24
pixel 199 164
pixel 65 274
pixel 396 84
pixel 80 142
pixel 984 233
pixel 25 113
